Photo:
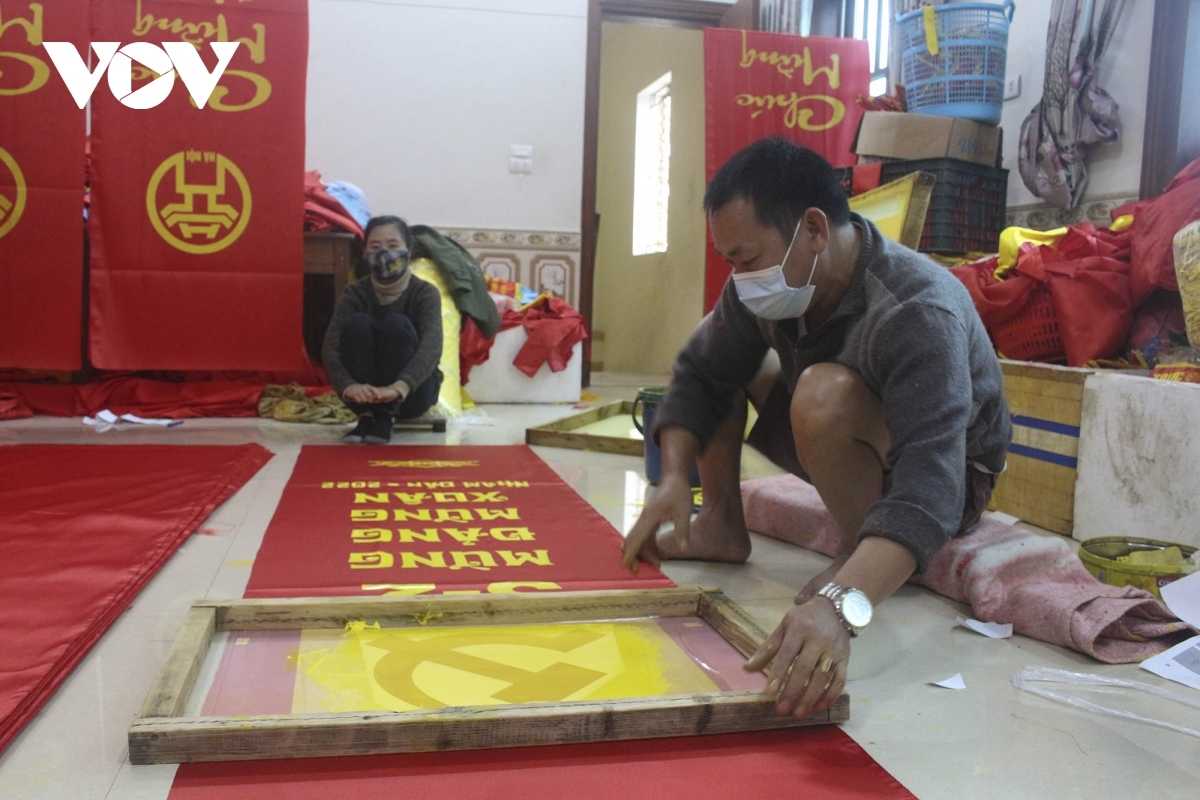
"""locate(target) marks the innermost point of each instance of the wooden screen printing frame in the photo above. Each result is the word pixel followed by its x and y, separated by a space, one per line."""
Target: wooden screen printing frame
pixel 565 432
pixel 161 734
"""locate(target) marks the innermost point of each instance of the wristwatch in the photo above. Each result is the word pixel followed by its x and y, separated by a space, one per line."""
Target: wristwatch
pixel 853 607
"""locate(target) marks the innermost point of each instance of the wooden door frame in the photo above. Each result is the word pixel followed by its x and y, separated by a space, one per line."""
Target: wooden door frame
pixel 683 13
pixel 1160 144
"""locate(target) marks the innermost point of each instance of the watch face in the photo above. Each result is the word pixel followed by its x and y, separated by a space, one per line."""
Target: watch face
pixel 856 608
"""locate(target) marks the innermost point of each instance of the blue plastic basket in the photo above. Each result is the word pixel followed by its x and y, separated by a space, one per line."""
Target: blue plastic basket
pixel 960 71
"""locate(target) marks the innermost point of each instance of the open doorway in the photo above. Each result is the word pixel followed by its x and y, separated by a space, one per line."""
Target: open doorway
pixel 672 16
pixel 648 280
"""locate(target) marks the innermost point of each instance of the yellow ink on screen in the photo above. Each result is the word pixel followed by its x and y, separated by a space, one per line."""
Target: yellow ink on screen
pixel 409 669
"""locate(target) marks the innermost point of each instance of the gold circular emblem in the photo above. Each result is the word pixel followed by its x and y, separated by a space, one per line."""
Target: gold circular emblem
pixel 12 196
pixel 206 205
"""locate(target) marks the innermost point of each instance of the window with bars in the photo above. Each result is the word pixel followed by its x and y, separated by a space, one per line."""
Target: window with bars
pixel 872 20
pixel 859 19
pixel 652 167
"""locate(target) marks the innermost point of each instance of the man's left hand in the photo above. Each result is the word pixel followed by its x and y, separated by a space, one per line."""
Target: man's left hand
pixel 809 653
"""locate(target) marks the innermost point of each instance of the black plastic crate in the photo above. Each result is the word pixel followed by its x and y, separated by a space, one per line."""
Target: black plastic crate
pixel 967 207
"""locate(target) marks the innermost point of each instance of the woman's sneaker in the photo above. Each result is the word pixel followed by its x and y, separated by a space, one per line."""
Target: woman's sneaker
pixel 360 431
pixel 381 430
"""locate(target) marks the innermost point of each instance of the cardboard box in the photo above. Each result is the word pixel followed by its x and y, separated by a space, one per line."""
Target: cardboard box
pixel 892 134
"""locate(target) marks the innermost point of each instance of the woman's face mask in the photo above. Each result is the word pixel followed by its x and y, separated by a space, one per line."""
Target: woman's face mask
pixel 386 264
pixel 767 294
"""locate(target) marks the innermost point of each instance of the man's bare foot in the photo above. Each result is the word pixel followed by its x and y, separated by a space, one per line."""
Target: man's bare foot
pixel 820 579
pixel 714 535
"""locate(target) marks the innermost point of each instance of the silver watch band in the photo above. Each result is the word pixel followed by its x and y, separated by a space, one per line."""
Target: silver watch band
pixel 834 593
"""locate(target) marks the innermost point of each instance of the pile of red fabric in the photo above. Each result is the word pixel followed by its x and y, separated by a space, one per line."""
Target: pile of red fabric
pixel 324 213
pixel 1077 301
pixel 1067 302
pixel 553 326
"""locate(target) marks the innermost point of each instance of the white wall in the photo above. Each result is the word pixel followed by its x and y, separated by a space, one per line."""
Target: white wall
pixel 1124 73
pixel 417 102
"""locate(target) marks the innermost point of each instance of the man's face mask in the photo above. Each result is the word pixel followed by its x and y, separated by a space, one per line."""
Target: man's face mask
pixel 387 263
pixel 767 294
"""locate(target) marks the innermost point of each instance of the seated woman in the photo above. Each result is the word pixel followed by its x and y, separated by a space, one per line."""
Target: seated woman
pixel 383 345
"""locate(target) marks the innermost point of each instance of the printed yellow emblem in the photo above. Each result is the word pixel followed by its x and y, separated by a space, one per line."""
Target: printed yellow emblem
pixel 402 669
pixel 207 205
pixel 424 464
pixel 13 192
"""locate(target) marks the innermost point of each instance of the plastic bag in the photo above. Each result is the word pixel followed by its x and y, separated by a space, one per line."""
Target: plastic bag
pixel 1025 679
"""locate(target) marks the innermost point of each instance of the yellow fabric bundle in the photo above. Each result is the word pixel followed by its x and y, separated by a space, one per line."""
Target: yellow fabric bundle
pixel 290 404
pixel 450 402
pixel 1186 246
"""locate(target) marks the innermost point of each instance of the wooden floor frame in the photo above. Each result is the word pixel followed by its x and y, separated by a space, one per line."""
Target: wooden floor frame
pixel 161 734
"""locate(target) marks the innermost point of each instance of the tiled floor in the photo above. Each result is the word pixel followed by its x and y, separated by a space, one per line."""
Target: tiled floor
pixel 987 741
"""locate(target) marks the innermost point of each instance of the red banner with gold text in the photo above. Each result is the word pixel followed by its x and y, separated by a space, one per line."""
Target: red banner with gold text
pixel 804 88
pixel 432 519
pixel 41 188
pixel 197 225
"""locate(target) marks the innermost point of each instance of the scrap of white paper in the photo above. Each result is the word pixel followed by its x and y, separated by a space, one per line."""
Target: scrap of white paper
pixel 992 630
pixel 1000 516
pixel 956 682
pixel 1180 664
pixel 1183 598
pixel 105 419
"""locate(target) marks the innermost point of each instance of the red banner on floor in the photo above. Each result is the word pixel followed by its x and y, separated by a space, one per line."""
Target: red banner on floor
pixel 198 213
pixel 433 519
pixel 82 530
pixel 803 88
pixel 813 763
pixel 41 188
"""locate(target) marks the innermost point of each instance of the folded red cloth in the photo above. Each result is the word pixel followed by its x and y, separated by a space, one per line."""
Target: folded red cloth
pixel 323 212
pixel 1004 573
pixel 552 326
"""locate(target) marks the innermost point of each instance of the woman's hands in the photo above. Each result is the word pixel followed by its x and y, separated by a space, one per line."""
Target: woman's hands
pixel 369 395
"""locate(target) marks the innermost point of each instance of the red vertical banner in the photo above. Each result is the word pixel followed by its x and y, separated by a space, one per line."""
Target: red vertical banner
pixel 197 223
pixel 804 88
pixel 41 188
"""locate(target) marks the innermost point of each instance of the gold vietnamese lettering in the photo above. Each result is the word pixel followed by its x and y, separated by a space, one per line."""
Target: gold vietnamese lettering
pixel 478 560
pixel 796 115
pixel 466 536
pixel 788 63
pixel 33 27
pixel 540 558
pixel 512 534
pixel 376 560
pixel 497 513
pixel 399 588
pixel 496 587
pixel 436 558
pixel 198 33
pixel 408 535
pixel 371 535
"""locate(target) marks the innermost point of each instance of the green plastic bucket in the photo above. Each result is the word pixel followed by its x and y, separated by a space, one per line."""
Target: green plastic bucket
pixel 648 400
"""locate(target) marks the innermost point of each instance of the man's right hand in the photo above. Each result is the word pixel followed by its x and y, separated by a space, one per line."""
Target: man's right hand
pixel 672 502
